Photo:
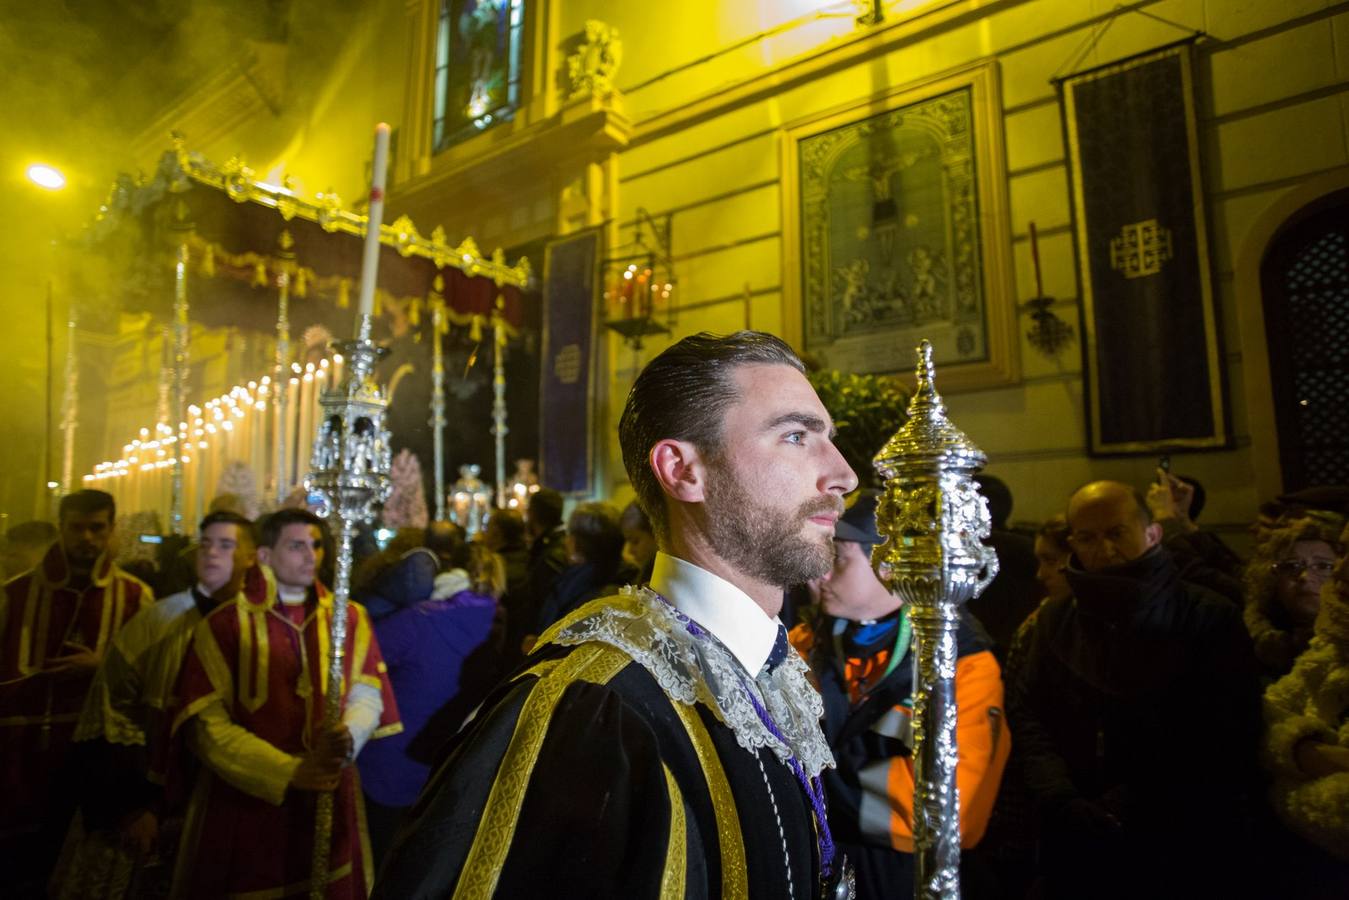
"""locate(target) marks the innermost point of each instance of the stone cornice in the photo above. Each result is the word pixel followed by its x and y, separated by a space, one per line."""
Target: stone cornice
pixel 583 131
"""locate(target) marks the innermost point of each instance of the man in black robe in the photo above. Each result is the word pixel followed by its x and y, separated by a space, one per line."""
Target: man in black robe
pixel 664 741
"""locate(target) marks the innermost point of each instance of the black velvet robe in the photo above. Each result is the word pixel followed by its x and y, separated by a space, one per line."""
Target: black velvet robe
pixel 581 778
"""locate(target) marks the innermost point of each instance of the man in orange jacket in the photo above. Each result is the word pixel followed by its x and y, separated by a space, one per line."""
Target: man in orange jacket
pixel 861 652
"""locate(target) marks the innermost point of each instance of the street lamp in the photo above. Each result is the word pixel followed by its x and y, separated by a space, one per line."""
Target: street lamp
pixel 47 177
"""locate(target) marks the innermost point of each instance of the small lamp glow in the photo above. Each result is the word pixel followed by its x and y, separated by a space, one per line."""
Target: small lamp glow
pixel 46 177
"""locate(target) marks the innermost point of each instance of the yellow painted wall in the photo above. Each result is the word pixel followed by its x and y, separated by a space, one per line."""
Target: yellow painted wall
pixel 1273 111
pixel 708 89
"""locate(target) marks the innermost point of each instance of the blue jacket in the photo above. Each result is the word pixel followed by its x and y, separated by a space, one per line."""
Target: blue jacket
pixel 425 647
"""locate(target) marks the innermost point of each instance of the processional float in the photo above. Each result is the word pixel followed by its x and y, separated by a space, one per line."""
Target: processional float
pixel 934 520
pixel 238 254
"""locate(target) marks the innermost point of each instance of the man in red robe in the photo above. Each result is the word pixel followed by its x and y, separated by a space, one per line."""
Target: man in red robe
pixel 251 701
pixel 55 623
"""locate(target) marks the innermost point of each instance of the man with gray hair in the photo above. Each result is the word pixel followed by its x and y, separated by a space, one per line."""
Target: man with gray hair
pixel 665 741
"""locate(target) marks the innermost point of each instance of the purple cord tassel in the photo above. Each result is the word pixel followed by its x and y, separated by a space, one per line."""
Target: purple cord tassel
pixel 812 786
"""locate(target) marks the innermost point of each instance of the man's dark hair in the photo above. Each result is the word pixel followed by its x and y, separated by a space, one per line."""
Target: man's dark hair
pixel 596 535
pixel 634 517
pixel 1272 509
pixel 1055 530
pixel 545 510
pixel 511 525
pixel 683 395
pixel 229 517
pixel 87 502
pixel 999 497
pixel 32 534
pixel 273 525
pixel 449 542
pixel 1198 499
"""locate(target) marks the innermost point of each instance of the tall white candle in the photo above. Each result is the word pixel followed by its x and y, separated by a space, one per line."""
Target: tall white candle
pixel 308 405
pixel 292 429
pixel 370 260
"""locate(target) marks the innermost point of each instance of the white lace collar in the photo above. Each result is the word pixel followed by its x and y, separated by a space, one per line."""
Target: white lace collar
pixel 700 669
pixel 719 606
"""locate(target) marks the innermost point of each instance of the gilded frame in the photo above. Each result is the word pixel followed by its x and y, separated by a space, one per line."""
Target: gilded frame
pixel 888 348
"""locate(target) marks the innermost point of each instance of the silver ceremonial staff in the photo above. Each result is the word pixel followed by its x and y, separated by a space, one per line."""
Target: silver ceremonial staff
pixel 350 468
pixel 934 518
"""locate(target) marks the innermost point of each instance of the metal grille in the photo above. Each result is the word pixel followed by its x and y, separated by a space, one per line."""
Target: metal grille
pixel 1314 407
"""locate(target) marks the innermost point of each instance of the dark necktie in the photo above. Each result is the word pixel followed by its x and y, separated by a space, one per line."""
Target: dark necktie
pixel 781 646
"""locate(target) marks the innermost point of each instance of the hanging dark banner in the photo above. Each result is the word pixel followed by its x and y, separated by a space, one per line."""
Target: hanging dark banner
pixel 1152 365
pixel 567 413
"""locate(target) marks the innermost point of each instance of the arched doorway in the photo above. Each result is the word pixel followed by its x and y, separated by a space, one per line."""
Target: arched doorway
pixel 1304 279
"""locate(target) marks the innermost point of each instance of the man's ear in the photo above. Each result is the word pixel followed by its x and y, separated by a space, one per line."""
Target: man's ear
pixel 679 469
pixel 1154 534
pixel 265 555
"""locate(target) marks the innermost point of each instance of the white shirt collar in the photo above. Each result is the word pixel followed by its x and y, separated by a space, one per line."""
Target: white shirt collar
pixel 719 606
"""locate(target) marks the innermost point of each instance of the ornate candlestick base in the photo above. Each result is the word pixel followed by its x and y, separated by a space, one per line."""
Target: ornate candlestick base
pixel 934 519
pixel 350 468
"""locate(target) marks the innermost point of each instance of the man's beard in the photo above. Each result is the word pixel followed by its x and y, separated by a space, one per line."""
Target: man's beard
pixel 763 542
pixel 82 556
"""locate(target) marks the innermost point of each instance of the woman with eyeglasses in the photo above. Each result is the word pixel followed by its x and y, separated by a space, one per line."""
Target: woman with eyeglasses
pixel 1283 589
pixel 1306 751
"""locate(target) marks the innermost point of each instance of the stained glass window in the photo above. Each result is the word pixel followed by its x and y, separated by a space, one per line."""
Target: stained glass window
pixel 477 79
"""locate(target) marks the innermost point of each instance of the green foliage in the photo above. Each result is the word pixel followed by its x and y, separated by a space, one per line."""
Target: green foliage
pixel 867 410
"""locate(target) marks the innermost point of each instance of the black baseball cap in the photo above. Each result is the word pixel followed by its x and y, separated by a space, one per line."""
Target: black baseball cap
pixel 858 522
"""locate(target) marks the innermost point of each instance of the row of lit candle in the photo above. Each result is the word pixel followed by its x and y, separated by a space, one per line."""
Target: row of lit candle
pixel 240 425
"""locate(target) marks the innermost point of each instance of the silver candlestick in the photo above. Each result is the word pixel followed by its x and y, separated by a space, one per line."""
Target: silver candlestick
pixel 934 519
pixel 350 468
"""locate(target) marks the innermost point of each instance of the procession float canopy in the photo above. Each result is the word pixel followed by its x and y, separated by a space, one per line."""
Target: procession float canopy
pixel 216 247
pixel 245 232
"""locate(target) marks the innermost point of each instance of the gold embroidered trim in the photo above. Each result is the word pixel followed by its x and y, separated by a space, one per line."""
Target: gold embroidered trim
pixel 217 673
pixel 387 730
pixel 192 709
pixel 212 660
pixel 52 719
pixel 360 642
pixel 594 663
pixel 290 889
pixel 676 853
pixel 323 621
pixel 33 648
pixel 363 831
pixel 254 655
pixel 734 874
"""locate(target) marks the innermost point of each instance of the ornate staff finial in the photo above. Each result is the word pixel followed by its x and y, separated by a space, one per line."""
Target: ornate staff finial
pixel 934 520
